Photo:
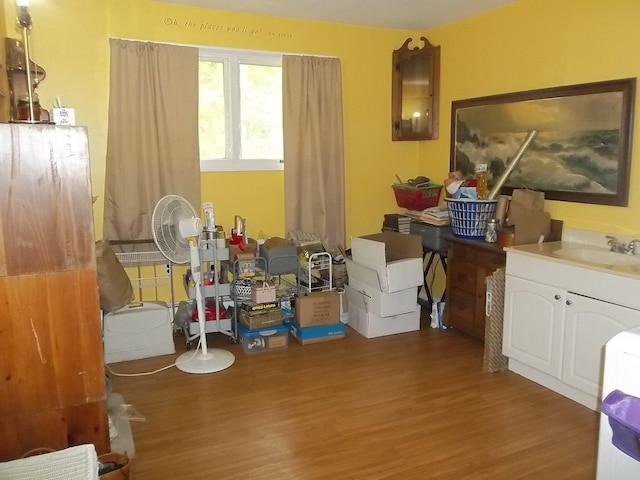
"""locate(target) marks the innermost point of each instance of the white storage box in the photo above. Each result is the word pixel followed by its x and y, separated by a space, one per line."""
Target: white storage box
pixel 370 325
pixel 396 257
pixel 363 281
pixel 139 330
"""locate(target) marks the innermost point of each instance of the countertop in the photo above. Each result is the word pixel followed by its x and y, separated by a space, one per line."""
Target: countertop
pixel 548 251
pixel 476 243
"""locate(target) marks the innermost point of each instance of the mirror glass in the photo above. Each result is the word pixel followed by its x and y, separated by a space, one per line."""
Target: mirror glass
pixel 415 92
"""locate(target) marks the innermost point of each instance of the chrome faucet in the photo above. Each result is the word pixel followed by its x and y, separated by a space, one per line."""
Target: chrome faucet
pixel 616 246
pixel 631 248
pixel 619 247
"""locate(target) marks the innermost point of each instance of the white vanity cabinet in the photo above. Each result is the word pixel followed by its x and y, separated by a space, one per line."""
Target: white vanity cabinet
pixel 559 315
pixel 534 332
pixel 589 325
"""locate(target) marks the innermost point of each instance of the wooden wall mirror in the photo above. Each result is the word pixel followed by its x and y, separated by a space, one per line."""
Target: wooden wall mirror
pixel 415 95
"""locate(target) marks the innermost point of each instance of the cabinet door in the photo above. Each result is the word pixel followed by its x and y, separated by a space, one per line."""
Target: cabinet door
pixel 589 325
pixel 534 324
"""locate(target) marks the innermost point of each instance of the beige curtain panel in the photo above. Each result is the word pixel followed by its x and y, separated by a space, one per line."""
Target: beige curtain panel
pixel 152 143
pixel 313 147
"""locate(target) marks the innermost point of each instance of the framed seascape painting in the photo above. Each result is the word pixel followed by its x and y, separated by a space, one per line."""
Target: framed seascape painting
pixel 582 149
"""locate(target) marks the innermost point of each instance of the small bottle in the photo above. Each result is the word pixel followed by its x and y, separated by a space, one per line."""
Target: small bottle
pixel 491 235
pixel 482 177
pixel 221 241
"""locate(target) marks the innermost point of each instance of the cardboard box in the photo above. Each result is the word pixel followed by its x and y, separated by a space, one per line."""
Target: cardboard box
pixel 264 339
pixel 380 303
pixel 245 265
pixel 370 325
pixel 317 308
pixel 249 250
pixel 396 257
pixel 363 282
pixel 317 334
pixel 139 330
pixel 264 319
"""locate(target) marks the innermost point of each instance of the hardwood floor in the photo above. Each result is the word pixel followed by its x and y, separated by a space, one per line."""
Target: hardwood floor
pixel 410 406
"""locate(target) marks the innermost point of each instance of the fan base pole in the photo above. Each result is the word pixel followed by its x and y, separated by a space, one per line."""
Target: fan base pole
pixel 215 360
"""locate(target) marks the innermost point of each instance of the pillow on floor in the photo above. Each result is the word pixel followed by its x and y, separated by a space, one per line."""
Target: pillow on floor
pixel 114 284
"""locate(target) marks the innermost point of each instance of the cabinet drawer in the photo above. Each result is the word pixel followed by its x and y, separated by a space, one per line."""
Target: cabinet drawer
pixel 460 304
pixel 462 275
pixel 479 255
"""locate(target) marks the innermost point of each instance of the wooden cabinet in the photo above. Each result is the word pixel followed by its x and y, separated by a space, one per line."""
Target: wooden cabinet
pixel 556 337
pixel 469 262
pixel 52 392
pixel 415 92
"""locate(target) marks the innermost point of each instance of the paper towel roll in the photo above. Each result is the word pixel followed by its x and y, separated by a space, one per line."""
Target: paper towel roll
pixel 501 209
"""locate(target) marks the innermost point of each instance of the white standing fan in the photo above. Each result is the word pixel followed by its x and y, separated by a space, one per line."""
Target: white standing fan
pixel 176 232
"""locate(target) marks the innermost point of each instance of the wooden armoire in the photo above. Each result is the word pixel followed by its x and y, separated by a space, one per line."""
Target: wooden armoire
pixel 52 381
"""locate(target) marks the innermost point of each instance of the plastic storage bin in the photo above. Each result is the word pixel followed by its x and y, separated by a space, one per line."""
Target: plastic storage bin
pixel 624 417
pixel 469 217
pixel 264 339
pixel 417 198
pixel 432 235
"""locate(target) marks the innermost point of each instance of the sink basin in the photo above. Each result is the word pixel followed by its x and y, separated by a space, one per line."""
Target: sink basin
pixel 597 256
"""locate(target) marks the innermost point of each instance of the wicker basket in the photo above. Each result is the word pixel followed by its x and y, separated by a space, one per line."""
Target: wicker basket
pixel 270 318
pixel 241 289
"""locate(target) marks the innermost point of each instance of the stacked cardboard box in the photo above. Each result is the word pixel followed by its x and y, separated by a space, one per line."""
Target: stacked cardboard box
pixel 317 317
pixel 261 326
pixel 384 273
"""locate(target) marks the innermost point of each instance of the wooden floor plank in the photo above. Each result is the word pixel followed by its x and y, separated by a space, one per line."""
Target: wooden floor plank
pixel 410 406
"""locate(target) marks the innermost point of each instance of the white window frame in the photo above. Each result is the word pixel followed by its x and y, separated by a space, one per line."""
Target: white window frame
pixel 231 58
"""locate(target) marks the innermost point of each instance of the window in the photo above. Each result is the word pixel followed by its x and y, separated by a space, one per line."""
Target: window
pixel 240 110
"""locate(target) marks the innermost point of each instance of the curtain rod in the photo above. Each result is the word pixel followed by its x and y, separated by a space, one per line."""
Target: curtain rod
pixel 225 48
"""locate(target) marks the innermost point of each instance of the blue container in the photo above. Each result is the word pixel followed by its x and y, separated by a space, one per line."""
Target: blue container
pixel 263 339
pixel 469 217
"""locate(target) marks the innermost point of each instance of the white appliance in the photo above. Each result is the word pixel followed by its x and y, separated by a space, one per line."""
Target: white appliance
pixel 621 372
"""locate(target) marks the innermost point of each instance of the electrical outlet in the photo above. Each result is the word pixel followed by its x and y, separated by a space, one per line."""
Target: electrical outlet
pixel 167 269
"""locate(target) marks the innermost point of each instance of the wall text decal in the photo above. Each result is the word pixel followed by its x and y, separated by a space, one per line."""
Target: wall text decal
pixel 225 29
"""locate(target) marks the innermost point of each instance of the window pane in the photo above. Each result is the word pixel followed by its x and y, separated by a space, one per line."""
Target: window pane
pixel 261 112
pixel 211 110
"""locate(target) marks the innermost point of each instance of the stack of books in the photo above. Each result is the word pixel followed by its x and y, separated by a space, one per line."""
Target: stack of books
pixel 432 215
pixel 396 222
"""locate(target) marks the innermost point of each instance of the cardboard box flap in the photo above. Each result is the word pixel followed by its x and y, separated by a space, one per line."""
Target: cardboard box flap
pixel 396 246
pixel 364 274
pixel 396 257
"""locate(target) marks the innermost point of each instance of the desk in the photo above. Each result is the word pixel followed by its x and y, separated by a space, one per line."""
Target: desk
pixel 434 248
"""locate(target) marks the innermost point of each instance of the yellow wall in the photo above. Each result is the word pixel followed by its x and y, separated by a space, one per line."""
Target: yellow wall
pixel 536 44
pixel 70 40
pixel 529 44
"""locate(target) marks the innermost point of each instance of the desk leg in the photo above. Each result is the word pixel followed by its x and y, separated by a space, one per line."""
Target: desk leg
pixel 432 256
pixel 443 259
